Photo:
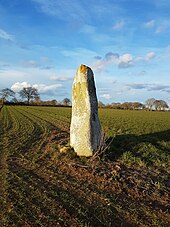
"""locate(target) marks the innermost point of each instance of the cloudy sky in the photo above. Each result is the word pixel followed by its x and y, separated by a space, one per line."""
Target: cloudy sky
pixel 125 42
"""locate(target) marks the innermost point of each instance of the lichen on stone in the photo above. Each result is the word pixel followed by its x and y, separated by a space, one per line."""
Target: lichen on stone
pixel 83 68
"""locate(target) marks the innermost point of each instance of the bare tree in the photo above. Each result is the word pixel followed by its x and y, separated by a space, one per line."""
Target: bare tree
pixel 150 103
pixel 160 105
pixel 164 105
pixel 5 93
pixel 66 101
pixel 29 93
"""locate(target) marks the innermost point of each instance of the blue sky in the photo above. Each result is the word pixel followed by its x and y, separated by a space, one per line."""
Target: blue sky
pixel 125 42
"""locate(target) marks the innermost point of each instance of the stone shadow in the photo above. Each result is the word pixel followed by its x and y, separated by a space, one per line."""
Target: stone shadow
pixel 127 142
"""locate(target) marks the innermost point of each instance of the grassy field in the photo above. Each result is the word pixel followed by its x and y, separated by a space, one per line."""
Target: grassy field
pixel 1 104
pixel 40 186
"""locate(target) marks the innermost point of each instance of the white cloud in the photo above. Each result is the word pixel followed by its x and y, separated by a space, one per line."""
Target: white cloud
pixel 150 55
pixel 149 24
pixel 126 58
pixel 121 61
pixel 6 36
pixel 19 86
pixel 118 25
pixel 109 58
pixel 125 61
pixel 106 96
pixel 42 88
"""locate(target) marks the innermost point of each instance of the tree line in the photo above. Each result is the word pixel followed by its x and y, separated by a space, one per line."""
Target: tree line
pixel 150 104
pixel 30 95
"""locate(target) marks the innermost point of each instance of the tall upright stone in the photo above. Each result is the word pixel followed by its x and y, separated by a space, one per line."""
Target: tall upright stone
pixel 85 130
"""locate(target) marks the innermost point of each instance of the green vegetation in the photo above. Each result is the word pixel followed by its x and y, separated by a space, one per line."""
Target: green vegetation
pixel 40 186
pixel 1 104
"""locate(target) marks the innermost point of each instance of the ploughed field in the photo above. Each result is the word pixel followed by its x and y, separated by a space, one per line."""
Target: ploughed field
pixel 41 186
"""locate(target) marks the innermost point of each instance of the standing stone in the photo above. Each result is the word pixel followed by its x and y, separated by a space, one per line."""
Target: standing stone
pixel 85 130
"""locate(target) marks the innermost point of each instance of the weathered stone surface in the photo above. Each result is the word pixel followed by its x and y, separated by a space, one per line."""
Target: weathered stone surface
pixel 85 130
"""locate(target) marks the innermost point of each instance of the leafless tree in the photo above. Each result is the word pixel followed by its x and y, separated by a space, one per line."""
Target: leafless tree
pixel 160 105
pixel 5 93
pixel 66 101
pixel 29 93
pixel 150 103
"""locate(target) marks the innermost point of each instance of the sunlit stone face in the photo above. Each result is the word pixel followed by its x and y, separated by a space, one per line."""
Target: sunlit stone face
pixel 85 130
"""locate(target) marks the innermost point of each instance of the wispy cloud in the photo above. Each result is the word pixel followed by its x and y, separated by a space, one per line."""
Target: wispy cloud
pixel 47 89
pixel 163 26
pixel 137 86
pixel 30 64
pixel 60 78
pixel 150 55
pixel 29 74
pixel 149 87
pixel 76 10
pixel 78 52
pixel 159 25
pixel 105 95
pixel 65 10
pixel 40 63
pixel 160 29
pixel 158 87
pixel 6 36
pixel 149 24
pixel 118 25
pixel 8 73
pixel 161 4
pixel 47 67
pixel 94 34
pixel 147 57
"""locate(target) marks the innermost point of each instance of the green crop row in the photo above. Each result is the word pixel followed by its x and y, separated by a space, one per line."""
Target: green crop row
pixel 42 187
